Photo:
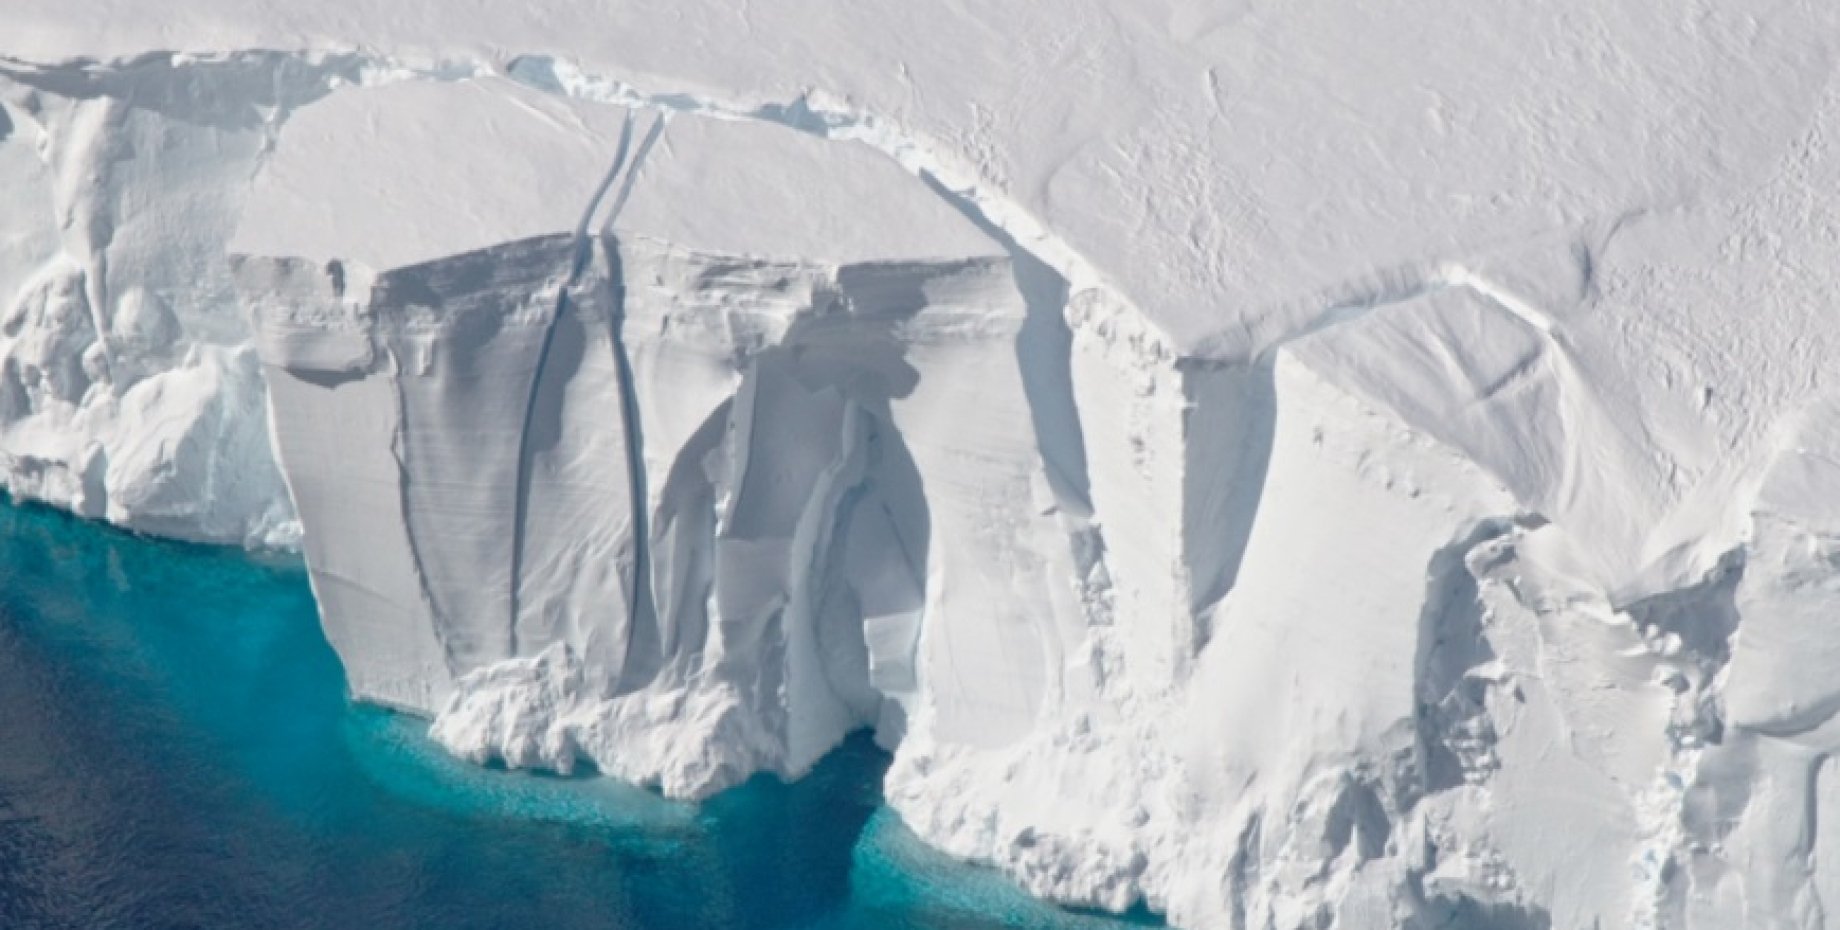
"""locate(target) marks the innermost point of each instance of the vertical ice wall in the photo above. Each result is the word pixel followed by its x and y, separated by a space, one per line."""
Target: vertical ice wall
pixel 838 516
pixel 1421 611
pixel 126 391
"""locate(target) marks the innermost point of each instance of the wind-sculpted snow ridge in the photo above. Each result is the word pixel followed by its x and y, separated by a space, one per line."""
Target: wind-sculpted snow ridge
pixel 1483 588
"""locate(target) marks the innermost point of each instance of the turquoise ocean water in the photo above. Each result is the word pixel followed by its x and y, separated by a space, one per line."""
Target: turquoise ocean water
pixel 177 751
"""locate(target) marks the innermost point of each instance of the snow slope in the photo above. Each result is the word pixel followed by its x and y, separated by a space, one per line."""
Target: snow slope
pixel 1293 465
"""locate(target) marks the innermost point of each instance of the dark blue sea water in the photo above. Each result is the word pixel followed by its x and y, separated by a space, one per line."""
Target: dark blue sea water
pixel 177 751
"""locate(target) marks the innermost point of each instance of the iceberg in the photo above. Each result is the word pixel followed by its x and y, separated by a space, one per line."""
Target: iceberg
pixel 1283 467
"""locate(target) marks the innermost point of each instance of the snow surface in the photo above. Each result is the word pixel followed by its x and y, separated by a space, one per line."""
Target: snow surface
pixel 1294 465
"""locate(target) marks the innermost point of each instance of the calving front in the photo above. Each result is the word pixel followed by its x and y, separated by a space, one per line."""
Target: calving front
pixel 842 517
pixel 684 439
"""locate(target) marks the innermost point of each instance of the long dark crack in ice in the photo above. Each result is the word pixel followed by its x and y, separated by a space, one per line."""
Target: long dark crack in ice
pixel 579 257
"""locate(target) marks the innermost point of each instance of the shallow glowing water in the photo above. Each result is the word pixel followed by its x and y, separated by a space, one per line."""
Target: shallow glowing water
pixel 176 751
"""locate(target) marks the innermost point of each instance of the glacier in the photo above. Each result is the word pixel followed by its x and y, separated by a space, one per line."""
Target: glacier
pixel 1285 466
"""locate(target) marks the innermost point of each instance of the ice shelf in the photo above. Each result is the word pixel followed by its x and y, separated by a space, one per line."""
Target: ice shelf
pixel 1293 466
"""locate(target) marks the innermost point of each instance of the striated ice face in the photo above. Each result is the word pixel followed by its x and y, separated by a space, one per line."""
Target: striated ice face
pixel 635 490
pixel 1285 507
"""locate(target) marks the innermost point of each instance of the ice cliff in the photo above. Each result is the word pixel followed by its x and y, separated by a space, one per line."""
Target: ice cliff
pixel 466 424
pixel 1290 467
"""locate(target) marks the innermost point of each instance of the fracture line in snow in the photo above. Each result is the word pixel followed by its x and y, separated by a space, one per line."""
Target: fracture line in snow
pixel 626 186
pixel 639 604
pixel 578 261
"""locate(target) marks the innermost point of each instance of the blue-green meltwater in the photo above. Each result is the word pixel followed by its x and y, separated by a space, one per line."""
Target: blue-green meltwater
pixel 177 751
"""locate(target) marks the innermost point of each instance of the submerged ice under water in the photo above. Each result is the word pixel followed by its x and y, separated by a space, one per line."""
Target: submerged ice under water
pixel 176 751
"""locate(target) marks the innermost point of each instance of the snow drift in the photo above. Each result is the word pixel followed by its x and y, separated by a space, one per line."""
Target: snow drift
pixel 1286 505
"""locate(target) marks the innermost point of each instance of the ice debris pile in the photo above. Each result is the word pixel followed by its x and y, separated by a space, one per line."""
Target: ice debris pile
pixel 1341 518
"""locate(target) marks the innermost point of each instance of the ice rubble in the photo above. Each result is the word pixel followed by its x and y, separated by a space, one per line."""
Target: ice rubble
pixel 1204 517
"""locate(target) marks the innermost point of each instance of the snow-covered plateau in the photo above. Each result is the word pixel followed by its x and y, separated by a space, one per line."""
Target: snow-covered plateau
pixel 1291 465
